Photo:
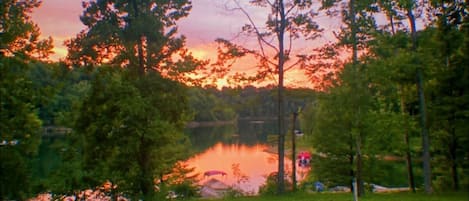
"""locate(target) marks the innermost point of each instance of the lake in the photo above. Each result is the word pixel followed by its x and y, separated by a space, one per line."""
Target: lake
pixel 242 151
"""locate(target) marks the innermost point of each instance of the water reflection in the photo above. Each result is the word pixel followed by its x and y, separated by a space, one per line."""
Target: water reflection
pixel 254 162
pixel 244 132
pixel 244 146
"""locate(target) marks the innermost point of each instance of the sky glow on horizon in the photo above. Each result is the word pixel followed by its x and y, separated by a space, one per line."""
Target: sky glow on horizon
pixel 207 21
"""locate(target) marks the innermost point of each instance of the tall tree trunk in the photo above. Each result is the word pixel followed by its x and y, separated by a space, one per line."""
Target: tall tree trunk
pixel 358 174
pixel 353 28
pixel 427 174
pixel 281 107
pixel 293 148
pixel 351 158
pixel 453 143
pixel 141 64
pixel 453 158
pixel 146 179
pixel 408 156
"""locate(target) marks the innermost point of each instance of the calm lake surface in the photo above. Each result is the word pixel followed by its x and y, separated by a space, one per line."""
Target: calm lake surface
pixel 242 151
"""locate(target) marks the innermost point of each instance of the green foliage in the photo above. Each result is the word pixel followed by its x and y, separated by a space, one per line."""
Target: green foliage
pixel 340 122
pixel 19 128
pixel 182 182
pixel 132 129
pixel 208 107
pixel 271 184
pixel 19 35
pixel 141 35
pixel 58 166
pixel 391 110
pixel 448 105
pixel 62 168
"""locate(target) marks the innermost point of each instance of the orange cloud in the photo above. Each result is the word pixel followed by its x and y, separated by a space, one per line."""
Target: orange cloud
pixel 207 21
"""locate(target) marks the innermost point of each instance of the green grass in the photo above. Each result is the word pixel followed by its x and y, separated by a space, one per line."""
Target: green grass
pixel 460 196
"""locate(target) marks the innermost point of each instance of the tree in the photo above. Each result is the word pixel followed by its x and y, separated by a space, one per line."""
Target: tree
pixel 391 74
pixel 58 165
pixel 359 24
pixel 447 107
pixel 132 119
pixel 287 22
pixel 19 136
pixel 140 35
pixel 208 107
pixel 19 35
pixel 20 124
pixel 132 129
pixel 341 129
pixel 422 105
pixel 402 78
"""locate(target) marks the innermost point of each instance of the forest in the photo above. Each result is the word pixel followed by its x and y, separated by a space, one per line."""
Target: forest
pixel 129 86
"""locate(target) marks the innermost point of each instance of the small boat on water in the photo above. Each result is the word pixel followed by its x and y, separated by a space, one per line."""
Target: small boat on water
pixel 214 172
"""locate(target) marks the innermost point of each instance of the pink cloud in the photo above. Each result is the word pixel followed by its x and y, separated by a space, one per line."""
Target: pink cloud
pixel 59 18
pixel 207 21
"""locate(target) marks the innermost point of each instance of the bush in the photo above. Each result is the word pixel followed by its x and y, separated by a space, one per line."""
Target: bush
pixel 271 185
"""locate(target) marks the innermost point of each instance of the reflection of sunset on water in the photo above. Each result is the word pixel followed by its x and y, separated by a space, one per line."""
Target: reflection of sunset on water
pixel 254 162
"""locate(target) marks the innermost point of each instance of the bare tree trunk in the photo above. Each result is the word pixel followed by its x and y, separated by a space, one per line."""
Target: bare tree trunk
pixel 408 156
pixel 408 159
pixel 358 174
pixel 427 174
pixel 281 107
pixel 293 155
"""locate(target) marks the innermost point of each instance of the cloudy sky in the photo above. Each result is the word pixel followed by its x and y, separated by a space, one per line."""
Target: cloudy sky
pixel 208 20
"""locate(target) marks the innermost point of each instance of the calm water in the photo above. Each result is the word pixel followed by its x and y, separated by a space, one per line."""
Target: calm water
pixel 241 151
pixel 244 146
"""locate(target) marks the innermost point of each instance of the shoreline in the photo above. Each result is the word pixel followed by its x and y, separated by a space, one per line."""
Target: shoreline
pixel 195 124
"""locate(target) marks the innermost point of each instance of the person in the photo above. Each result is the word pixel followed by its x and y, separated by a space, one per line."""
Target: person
pixel 318 186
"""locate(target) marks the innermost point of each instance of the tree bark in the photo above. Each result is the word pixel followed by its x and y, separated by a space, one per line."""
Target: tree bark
pixel 422 109
pixel 358 174
pixel 146 179
pixel 293 155
pixel 408 156
pixel 281 107
pixel 353 28
pixel 453 157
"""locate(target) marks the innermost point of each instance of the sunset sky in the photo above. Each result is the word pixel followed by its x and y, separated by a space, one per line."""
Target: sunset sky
pixel 207 21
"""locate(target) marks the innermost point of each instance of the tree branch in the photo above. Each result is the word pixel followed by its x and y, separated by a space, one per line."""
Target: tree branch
pixel 292 65
pixel 260 38
pixel 289 10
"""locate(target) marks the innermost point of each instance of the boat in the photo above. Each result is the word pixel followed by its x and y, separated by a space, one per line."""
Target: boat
pixel 214 172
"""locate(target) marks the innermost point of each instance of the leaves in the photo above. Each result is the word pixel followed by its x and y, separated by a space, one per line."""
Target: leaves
pixel 131 127
pixel 138 35
pixel 20 128
pixel 19 34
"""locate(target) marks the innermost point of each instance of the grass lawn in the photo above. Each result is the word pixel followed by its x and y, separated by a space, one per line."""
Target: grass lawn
pixel 460 196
